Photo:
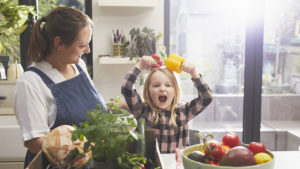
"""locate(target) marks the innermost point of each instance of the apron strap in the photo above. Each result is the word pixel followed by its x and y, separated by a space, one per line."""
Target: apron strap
pixel 79 68
pixel 44 77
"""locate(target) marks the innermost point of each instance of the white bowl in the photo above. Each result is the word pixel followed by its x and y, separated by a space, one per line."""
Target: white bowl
pixel 192 164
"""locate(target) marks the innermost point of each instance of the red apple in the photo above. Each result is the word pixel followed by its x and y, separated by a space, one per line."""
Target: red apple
pixel 257 147
pixel 231 140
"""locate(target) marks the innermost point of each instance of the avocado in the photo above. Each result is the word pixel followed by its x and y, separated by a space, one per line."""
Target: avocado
pixel 197 156
pixel 238 156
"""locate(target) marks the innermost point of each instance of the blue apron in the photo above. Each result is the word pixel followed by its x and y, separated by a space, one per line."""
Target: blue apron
pixel 74 97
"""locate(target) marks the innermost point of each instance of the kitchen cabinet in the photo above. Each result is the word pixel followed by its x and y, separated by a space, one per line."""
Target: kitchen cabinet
pixel 127 3
pixel 11 165
pixel 6 97
pixel 12 152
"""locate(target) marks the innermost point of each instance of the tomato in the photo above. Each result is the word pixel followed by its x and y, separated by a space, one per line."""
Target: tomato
pixel 257 147
pixel 231 140
pixel 214 151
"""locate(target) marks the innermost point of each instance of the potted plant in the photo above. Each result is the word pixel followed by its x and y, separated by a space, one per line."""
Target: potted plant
pixel 108 133
pixel 145 42
pixel 13 19
pixel 13 23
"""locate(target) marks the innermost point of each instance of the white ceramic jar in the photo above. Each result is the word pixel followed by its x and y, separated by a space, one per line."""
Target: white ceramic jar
pixel 14 71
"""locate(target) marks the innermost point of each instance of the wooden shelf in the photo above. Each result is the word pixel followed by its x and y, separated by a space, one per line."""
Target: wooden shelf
pixel 7 82
pixel 127 3
pixel 117 60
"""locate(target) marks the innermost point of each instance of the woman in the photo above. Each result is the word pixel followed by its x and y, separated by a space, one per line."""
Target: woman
pixel 56 88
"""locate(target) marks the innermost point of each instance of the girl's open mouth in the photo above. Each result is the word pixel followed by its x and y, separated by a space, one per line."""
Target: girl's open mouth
pixel 162 98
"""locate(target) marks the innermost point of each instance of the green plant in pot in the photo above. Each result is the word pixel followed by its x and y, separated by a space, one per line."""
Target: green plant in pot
pixel 108 132
pixel 145 42
pixel 13 19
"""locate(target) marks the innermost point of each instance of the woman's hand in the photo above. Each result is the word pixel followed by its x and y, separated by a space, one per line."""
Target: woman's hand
pixel 190 69
pixel 146 62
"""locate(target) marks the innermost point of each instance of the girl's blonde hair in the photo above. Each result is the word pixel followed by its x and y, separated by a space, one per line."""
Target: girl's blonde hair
pixel 148 99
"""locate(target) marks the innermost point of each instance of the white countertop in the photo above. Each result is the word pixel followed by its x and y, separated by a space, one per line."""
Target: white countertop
pixel 283 160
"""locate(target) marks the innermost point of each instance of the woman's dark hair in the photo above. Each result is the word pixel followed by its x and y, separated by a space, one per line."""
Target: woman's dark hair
pixel 64 22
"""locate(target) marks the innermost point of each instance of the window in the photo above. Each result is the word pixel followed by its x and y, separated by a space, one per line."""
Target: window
pixel 251 62
pixel 211 34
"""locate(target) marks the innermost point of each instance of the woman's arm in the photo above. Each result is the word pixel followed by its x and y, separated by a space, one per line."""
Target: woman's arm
pixel 34 145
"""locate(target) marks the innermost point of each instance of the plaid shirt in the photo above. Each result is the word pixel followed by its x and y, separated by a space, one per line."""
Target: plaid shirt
pixel 168 137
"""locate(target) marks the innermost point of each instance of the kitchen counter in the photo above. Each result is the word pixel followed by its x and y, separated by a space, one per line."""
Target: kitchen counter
pixel 283 160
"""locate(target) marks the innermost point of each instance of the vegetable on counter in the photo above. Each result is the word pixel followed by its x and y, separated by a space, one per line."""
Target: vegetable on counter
pixel 238 156
pixel 257 147
pixel 230 151
pixel 261 158
pixel 231 140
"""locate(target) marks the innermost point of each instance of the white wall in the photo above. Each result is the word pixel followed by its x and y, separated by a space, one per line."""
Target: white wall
pixel 108 78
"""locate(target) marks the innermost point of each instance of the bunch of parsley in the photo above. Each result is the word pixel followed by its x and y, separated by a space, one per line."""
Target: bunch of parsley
pixel 108 132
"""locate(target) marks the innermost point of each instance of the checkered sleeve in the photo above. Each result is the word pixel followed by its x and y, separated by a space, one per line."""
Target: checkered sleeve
pixel 129 92
pixel 197 105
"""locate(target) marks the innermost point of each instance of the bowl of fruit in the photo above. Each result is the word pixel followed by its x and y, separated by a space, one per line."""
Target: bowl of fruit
pixel 227 154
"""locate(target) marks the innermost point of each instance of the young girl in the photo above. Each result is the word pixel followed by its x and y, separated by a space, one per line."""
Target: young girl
pixel 160 107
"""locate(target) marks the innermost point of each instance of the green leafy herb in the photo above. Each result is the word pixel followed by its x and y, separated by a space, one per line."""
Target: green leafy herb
pixel 130 161
pixel 107 132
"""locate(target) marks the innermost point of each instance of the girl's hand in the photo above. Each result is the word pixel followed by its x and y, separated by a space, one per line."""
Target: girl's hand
pixel 190 69
pixel 146 62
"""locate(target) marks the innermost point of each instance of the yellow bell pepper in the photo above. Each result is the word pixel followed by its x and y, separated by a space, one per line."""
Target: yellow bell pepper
pixel 173 62
pixel 176 57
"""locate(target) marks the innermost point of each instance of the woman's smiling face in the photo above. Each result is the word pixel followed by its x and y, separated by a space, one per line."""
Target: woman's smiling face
pixel 161 90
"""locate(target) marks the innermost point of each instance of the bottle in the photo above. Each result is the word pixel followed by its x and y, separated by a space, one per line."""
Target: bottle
pixel 2 72
pixel 14 71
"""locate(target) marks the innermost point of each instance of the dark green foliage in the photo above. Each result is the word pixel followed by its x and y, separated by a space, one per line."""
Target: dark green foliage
pixel 107 132
pixel 130 161
pixel 12 23
pixel 143 42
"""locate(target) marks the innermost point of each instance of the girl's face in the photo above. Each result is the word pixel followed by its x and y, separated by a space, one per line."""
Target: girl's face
pixel 161 90
pixel 80 46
